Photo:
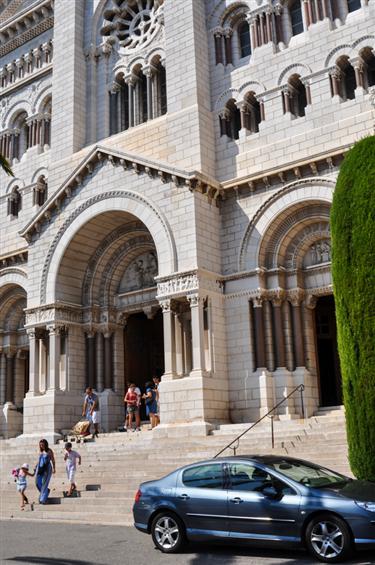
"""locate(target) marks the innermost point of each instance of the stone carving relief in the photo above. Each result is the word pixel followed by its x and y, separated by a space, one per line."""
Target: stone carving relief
pixel 320 252
pixel 141 273
pixel 132 23
pixel 178 284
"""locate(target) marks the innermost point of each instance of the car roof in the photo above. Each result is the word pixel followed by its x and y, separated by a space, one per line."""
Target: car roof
pixel 263 459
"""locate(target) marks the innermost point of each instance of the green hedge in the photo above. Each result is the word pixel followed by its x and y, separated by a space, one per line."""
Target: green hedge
pixel 353 271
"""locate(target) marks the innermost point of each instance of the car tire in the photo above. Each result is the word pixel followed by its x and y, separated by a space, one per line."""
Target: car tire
pixel 328 538
pixel 168 532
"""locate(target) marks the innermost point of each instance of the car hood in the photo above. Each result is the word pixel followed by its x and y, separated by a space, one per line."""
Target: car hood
pixel 363 491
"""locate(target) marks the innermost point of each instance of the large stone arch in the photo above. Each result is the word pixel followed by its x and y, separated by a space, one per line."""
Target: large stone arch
pixel 14 276
pixel 119 201
pixel 299 192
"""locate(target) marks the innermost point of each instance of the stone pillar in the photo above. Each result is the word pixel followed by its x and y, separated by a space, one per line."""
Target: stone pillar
pixel 197 332
pixel 169 340
pixel 148 72
pixel 218 38
pixel 54 357
pixel 298 345
pixel 336 76
pixel 179 345
pixel 279 339
pixel 2 377
pixel 33 363
pixel 286 98
pixel 91 360
pixel 228 46
pixel 9 372
pixel 108 361
pixel 99 352
pixel 259 333
pixel 131 82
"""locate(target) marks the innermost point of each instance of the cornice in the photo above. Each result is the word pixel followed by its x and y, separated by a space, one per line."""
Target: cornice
pixel 193 180
pixel 25 25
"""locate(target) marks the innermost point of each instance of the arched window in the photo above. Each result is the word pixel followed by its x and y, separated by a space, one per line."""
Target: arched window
pixel 230 120
pixel 295 97
pixel 346 79
pixel 252 113
pixel 40 191
pixel 368 59
pixel 14 202
pixel 296 20
pixel 244 39
pixel 353 5
pixel 22 136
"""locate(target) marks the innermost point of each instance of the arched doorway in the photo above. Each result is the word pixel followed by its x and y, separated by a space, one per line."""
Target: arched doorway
pixel 14 359
pixel 330 384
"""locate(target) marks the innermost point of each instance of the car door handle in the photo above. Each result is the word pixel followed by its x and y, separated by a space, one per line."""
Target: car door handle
pixel 236 500
pixel 184 496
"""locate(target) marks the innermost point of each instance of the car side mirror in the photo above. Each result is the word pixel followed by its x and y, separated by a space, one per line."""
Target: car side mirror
pixel 271 492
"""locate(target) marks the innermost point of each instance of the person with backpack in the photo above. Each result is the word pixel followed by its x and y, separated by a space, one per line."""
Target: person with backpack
pixel 150 398
pixel 21 475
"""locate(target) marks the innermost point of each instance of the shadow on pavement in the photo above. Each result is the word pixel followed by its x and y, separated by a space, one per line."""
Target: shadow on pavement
pixel 226 554
pixel 48 560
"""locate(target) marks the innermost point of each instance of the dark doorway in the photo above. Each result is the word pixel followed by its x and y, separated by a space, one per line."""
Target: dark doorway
pixel 328 357
pixel 144 350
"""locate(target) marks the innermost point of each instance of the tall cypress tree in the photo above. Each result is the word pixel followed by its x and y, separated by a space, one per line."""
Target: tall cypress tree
pixel 353 271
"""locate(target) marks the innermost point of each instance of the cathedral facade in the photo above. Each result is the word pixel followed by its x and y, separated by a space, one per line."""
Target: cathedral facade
pixel 174 165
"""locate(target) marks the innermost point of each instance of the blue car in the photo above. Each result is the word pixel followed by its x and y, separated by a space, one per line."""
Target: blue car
pixel 271 500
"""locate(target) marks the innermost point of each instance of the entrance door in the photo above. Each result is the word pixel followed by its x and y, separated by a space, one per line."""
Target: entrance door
pixel 328 358
pixel 144 350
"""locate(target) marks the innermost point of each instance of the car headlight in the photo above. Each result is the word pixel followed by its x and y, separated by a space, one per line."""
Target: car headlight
pixel 370 506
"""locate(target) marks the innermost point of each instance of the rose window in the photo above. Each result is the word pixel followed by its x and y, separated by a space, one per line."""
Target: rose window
pixel 132 22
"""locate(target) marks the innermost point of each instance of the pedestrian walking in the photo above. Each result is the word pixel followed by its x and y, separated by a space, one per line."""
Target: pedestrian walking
pixel 132 402
pixel 151 404
pixel 71 457
pixel 21 481
pixel 91 410
pixel 44 469
pixel 156 381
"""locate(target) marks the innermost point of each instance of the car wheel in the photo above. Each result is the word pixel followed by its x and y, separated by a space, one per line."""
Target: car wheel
pixel 328 538
pixel 167 532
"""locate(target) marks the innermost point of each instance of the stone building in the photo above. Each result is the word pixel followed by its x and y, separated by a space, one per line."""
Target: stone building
pixel 174 168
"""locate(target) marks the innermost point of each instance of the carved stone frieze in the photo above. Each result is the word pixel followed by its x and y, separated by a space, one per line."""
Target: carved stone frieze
pixel 180 285
pixel 52 314
pixel 140 273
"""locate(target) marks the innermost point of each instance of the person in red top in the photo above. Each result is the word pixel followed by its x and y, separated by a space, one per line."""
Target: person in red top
pixel 131 400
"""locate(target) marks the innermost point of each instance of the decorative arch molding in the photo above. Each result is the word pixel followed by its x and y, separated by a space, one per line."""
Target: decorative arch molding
pixel 93 263
pixel 123 201
pixel 301 68
pixel 225 96
pixel 14 276
pixel 17 108
pixel 129 249
pixel 296 250
pixel 42 95
pixel 299 191
pixel 14 182
pixel 221 11
pixel 287 226
pixel 155 52
pixel 365 41
pixel 42 171
pixel 339 51
pixel 252 85
pixel 15 316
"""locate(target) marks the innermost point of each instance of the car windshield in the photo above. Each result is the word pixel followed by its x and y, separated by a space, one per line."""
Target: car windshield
pixel 308 475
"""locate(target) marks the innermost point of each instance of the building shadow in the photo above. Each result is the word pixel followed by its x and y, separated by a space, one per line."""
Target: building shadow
pixel 48 560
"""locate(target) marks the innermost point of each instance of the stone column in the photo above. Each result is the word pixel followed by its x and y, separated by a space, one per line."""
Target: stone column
pixel 197 333
pixel 298 345
pixel 228 46
pixel 259 334
pixel 99 352
pixel 34 363
pixel 286 98
pixel 336 76
pixel 178 344
pixel 54 357
pixel 131 82
pixel 9 371
pixel 148 72
pixel 90 356
pixel 169 340
pixel 218 38
pixel 261 26
pixel 2 377
pixel 108 361
pixel 279 339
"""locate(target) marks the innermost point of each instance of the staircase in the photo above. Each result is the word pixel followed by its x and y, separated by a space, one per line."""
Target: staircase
pixel 114 465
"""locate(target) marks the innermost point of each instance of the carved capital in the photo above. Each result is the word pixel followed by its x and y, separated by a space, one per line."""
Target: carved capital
pixel 194 300
pixel 310 301
pixel 296 297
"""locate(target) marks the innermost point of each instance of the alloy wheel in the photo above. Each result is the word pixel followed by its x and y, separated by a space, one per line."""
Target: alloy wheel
pixel 327 539
pixel 167 532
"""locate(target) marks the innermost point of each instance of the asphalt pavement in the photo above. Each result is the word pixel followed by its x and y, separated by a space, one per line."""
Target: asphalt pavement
pixel 41 543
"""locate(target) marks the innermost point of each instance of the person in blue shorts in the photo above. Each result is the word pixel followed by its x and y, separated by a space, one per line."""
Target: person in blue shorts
pixel 150 398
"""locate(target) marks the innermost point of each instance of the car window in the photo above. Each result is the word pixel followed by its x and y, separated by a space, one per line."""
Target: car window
pixel 249 477
pixel 310 476
pixel 204 476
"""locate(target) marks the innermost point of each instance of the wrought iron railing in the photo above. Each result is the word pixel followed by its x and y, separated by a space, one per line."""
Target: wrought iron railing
pixel 236 441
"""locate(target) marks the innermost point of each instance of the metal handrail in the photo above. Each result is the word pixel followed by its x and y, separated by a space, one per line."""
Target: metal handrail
pixel 299 388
